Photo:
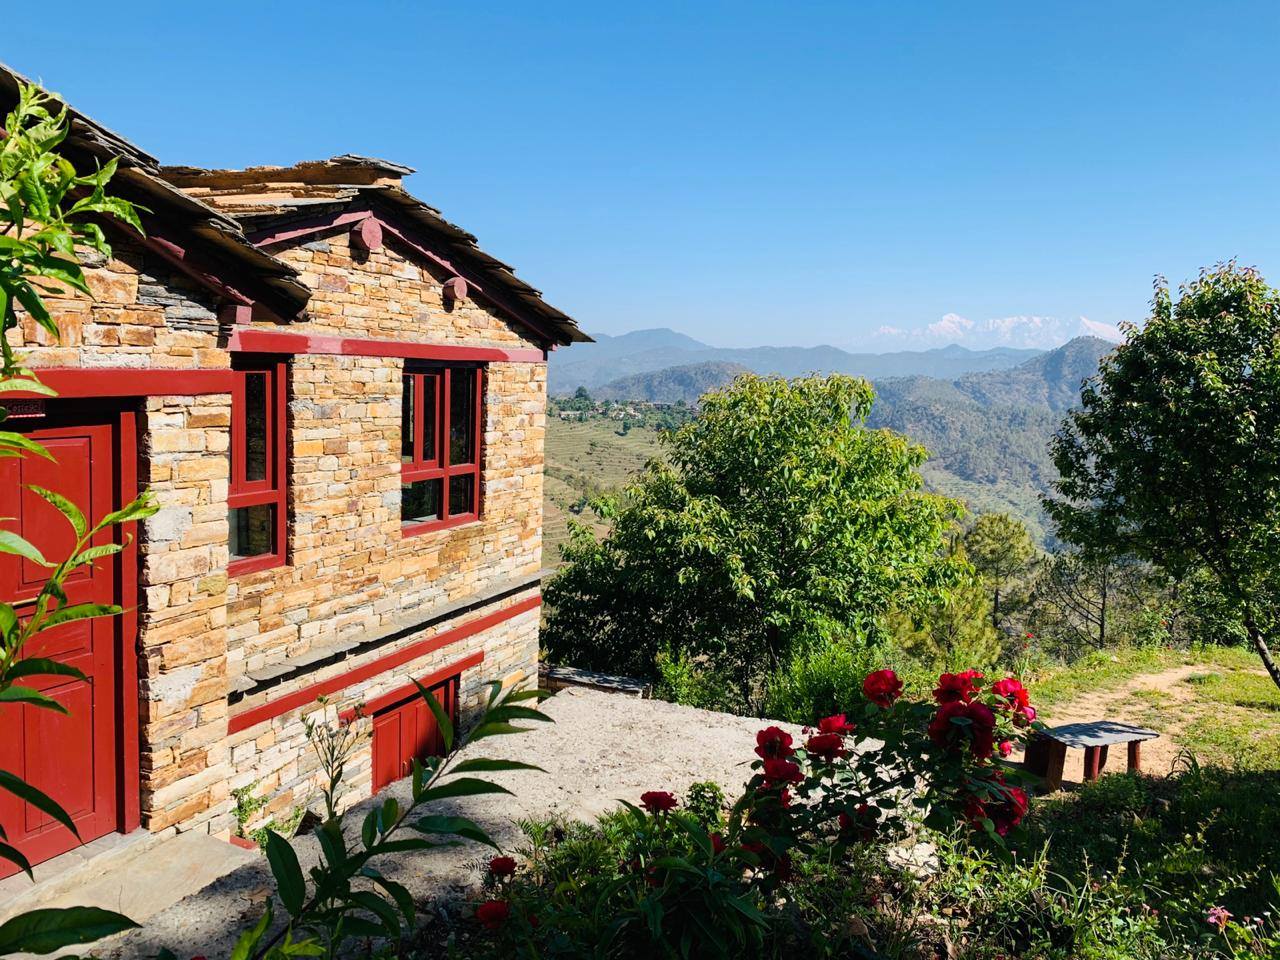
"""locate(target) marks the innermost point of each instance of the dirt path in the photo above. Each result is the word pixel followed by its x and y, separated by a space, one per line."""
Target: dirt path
pixel 1151 700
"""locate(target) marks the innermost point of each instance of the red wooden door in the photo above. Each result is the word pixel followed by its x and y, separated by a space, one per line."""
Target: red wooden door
pixel 407 731
pixel 72 758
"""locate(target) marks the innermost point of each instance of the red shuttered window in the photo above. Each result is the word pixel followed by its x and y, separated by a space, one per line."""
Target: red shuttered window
pixel 441 429
pixel 256 497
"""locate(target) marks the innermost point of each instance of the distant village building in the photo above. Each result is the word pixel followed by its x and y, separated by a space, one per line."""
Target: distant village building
pixel 339 401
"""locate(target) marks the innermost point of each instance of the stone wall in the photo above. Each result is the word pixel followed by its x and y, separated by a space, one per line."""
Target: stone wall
pixel 277 761
pixel 349 572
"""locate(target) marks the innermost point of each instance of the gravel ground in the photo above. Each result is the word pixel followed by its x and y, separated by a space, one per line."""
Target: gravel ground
pixel 603 747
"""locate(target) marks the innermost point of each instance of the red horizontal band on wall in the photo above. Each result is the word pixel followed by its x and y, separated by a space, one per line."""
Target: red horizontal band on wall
pixel 270 341
pixel 128 382
pixel 300 698
pixel 370 707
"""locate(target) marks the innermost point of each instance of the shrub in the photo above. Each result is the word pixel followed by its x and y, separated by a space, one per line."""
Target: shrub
pixel 784 872
pixel 819 681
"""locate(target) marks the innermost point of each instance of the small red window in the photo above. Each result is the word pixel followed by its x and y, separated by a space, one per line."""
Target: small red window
pixel 256 498
pixel 440 424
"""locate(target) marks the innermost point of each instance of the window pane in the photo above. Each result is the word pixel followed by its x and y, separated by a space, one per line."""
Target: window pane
pixel 406 422
pixel 255 426
pixel 462 494
pixel 252 530
pixel 429 452
pixel 420 501
pixel 462 416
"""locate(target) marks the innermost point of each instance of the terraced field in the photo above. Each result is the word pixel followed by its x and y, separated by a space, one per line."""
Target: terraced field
pixel 585 459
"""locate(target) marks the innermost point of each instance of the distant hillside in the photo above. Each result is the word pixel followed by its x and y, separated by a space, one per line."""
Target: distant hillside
pixel 987 432
pixel 1052 379
pixel 645 351
pixel 687 382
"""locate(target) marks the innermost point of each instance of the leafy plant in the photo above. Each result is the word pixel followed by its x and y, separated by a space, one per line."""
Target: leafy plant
pixel 347 897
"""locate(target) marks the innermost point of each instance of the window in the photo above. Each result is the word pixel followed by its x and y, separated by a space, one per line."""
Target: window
pixel 256 498
pixel 440 446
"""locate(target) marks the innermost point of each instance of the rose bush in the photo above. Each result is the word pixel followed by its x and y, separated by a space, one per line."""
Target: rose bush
pixel 677 886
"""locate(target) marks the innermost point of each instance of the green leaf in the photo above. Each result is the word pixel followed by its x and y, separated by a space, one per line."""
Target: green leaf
pixel 37 798
pixel 33 697
pixel 458 826
pixel 14 856
pixel 10 542
pixel 462 787
pixel 370 901
pixel 442 718
pixel 10 439
pixel 487 765
pixel 27 386
pixel 494 730
pixel 505 713
pixel 79 611
pixel 50 929
pixel 249 940
pixel 397 892
pixel 288 872
pixel 41 666
pixel 64 507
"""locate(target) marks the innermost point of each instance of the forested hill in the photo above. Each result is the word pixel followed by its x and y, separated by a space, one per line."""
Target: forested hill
pixel 987 432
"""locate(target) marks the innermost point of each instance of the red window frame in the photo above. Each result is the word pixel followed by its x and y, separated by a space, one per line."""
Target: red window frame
pixel 433 464
pixel 272 489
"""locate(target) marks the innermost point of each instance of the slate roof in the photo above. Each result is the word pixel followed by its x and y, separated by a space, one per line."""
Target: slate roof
pixel 225 250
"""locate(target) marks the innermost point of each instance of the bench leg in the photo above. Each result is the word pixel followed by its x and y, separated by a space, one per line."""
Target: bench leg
pixel 1102 760
pixel 1135 756
pixel 1091 765
pixel 1057 761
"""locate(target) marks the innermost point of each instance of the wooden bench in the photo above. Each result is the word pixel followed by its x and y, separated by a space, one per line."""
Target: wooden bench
pixel 1047 751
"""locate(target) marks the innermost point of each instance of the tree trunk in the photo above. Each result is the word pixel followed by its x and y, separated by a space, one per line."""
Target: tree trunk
pixel 995 610
pixel 1260 644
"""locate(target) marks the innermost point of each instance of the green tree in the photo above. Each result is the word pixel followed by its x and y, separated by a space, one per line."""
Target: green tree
pixel 776 517
pixel 957 629
pixel 1001 550
pixel 1174 453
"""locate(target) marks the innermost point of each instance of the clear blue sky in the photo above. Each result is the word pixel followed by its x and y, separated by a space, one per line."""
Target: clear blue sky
pixel 744 172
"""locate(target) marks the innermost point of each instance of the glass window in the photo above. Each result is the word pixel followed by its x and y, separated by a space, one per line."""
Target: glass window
pixel 256 493
pixel 462 416
pixel 420 501
pixel 253 531
pixel 440 482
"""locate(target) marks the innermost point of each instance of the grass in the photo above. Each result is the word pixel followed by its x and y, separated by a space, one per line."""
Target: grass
pixel 585 459
pixel 1107 670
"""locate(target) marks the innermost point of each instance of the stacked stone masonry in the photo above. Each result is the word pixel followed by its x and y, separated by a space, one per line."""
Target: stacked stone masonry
pixel 350 572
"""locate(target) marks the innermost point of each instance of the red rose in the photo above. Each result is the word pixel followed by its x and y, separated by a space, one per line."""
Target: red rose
pixel 1024 716
pixel 717 844
pixel 781 771
pixel 493 913
pixel 828 746
pixel 1009 811
pixel 980 729
pixel 1011 691
pixel 957 686
pixel 863 820
pixel 1006 748
pixel 782 868
pixel 502 866
pixel 882 688
pixel 773 742
pixel 835 724
pixel 658 801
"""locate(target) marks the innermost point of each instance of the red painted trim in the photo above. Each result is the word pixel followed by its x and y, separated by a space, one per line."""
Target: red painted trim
pixel 244 843
pixel 408 690
pixel 296 231
pixel 272 489
pixel 249 340
pixel 300 698
pixel 129 749
pixel 98 382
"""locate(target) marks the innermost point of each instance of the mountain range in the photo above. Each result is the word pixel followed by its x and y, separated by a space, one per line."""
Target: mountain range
pixel 987 429
pixel 592 365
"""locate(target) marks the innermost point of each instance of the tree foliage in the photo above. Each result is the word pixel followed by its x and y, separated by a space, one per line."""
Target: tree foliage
pixel 1000 549
pixel 776 518
pixel 1174 453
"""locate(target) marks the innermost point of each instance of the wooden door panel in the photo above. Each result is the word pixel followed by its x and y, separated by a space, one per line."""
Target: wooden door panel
pixel 406 731
pixel 386 749
pixel 74 758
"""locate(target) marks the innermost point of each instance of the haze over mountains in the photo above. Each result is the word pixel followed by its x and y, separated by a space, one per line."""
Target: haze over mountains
pixel 645 351
pixel 986 417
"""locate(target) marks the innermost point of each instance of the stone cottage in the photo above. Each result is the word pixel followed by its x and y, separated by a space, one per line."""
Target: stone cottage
pixel 339 401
